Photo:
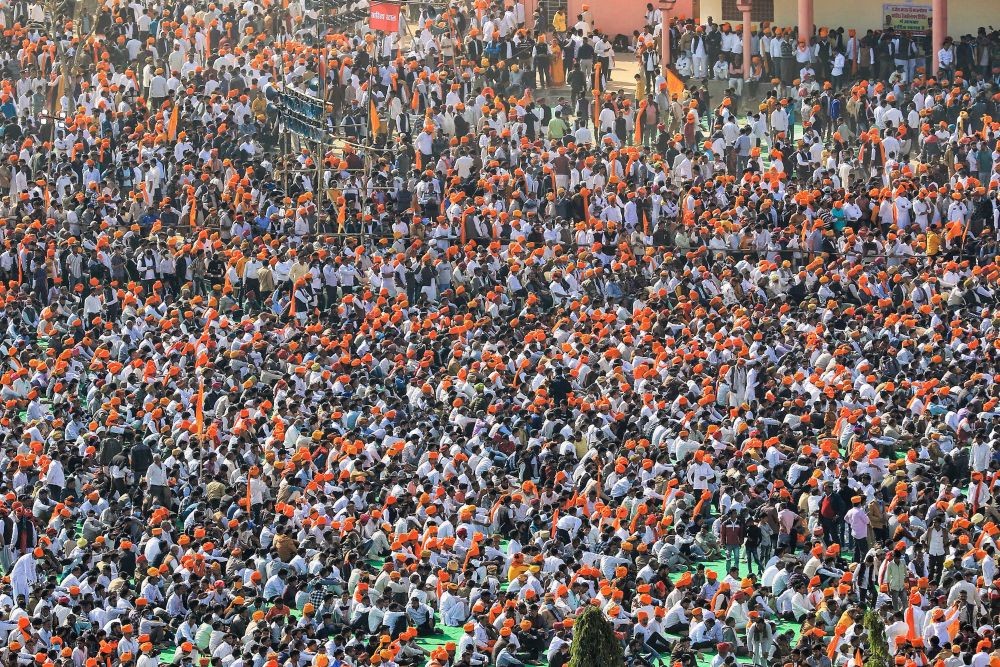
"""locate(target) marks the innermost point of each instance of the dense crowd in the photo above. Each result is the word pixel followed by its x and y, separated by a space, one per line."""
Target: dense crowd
pixel 725 369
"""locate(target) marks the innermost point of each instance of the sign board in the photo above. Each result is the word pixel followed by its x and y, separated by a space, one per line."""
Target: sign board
pixel 910 18
pixel 384 16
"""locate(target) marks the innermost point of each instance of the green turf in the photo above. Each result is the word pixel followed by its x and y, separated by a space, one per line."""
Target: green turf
pixel 448 634
pixel 705 657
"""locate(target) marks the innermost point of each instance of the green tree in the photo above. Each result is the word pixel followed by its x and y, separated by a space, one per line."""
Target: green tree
pixel 877 650
pixel 594 641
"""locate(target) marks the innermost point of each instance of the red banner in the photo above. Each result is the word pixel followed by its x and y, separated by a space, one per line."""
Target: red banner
pixel 384 16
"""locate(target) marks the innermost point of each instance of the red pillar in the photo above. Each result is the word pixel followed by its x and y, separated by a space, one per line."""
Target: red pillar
pixel 666 7
pixel 939 28
pixel 746 6
pixel 747 38
pixel 805 20
pixel 665 45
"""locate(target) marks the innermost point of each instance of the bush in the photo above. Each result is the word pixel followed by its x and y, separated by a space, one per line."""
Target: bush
pixel 877 646
pixel 594 641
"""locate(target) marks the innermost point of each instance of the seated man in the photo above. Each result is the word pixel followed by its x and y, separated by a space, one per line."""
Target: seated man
pixel 705 634
pixel 421 617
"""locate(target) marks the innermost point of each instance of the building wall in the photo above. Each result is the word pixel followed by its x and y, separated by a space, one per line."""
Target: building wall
pixel 614 17
pixel 963 17
pixel 623 16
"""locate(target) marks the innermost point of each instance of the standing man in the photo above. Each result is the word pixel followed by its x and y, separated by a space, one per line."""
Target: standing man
pixel 857 519
pixel 831 508
pixel 699 54
pixel 936 541
pixel 787 524
pixel 893 574
pixel 731 535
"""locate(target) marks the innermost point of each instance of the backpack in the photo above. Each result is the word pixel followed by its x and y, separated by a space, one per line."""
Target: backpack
pixel 786 49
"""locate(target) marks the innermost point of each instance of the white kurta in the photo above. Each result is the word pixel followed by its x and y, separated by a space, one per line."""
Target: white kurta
pixel 23 575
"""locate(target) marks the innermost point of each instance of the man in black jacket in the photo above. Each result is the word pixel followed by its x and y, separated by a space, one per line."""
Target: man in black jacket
pixel 559 389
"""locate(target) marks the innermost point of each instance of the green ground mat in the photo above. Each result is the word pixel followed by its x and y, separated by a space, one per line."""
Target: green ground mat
pixel 705 657
pixel 448 634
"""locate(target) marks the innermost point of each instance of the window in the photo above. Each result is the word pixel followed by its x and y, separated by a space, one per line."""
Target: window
pixel 763 10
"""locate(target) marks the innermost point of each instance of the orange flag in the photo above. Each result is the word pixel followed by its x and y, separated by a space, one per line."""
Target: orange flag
pixel 838 632
pixel 249 495
pixel 60 91
pixel 911 628
pixel 375 123
pixel 172 126
pixel 208 47
pixel 637 139
pixel 674 84
pixel 953 627
pixel 199 410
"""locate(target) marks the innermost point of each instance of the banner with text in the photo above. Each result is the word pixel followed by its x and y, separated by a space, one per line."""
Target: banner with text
pixel 911 18
pixel 384 16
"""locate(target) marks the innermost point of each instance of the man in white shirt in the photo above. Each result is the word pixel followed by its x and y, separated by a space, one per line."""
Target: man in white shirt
pixel 156 481
pixel 946 58
pixel 706 634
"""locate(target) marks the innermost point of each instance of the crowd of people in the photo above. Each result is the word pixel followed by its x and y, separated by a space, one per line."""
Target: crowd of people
pixel 724 369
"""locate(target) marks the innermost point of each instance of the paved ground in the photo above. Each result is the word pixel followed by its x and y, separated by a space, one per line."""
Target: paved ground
pixel 622 78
